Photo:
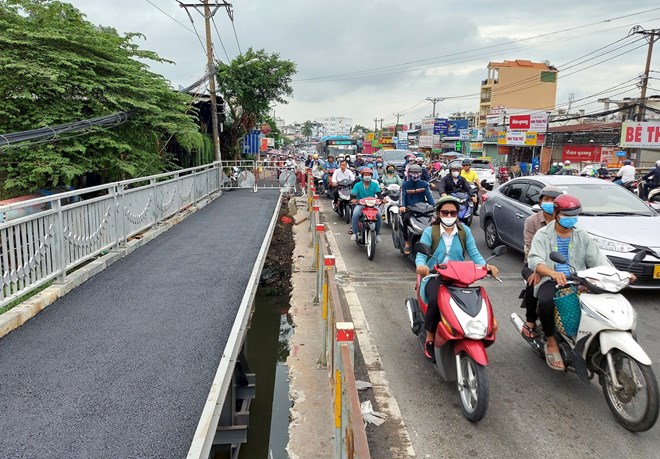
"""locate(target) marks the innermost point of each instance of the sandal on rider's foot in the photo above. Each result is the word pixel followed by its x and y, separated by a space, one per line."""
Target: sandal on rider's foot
pixel 406 250
pixel 350 231
pixel 554 360
pixel 527 332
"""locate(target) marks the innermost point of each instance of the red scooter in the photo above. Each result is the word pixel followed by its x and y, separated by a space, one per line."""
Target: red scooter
pixel 366 236
pixel 467 327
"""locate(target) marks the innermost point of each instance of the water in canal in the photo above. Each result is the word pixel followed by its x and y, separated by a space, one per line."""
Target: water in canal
pixel 267 351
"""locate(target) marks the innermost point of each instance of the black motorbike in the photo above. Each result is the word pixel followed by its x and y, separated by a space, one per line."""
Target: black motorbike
pixel 343 207
pixel 422 215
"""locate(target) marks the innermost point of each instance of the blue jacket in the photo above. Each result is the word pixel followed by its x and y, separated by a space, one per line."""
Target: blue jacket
pixel 330 165
pixel 371 191
pixel 455 251
pixel 414 192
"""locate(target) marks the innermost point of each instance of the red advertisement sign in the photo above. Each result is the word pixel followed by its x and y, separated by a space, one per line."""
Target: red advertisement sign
pixel 580 153
pixel 520 122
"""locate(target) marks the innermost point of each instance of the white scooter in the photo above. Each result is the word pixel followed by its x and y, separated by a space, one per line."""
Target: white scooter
pixel 596 336
pixel 389 210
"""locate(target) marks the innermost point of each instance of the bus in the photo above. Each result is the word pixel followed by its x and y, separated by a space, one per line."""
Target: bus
pixel 336 145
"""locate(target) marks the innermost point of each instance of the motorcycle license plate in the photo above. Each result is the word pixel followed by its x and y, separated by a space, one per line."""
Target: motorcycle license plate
pixel 656 272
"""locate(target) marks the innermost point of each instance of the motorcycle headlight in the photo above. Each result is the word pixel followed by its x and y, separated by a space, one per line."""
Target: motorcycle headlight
pixel 476 329
pixel 612 245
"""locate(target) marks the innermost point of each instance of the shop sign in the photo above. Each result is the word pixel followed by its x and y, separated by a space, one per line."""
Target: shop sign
pixel 426 141
pixel 454 127
pixel 440 126
pixel 464 134
pixel 370 136
pixel 579 153
pixel 490 135
pixel 530 138
pixel 476 146
pixel 536 122
pixel 501 138
pixel 640 135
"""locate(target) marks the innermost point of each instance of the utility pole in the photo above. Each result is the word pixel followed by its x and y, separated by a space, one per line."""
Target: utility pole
pixel 398 115
pixel 651 36
pixel 209 11
pixel 375 124
pixel 381 123
pixel 435 100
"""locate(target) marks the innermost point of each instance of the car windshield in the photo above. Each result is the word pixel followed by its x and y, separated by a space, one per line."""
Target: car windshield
pixel 394 155
pixel 597 199
pixel 480 166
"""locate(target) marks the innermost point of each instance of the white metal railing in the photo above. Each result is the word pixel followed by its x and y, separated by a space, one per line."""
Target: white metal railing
pixel 262 174
pixel 74 227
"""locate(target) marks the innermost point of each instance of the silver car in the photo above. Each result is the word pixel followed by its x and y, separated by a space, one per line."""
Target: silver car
pixel 619 222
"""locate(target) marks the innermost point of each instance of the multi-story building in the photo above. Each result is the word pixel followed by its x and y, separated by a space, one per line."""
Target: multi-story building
pixel 519 84
pixel 336 125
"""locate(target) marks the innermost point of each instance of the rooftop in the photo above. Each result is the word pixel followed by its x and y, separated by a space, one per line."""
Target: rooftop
pixel 522 63
pixel 586 127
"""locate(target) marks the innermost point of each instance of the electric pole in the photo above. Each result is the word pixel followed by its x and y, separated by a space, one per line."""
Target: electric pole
pixel 209 11
pixel 398 115
pixel 381 123
pixel 435 100
pixel 375 124
pixel 651 36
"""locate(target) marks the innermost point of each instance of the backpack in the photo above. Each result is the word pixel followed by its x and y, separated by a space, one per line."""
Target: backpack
pixel 435 237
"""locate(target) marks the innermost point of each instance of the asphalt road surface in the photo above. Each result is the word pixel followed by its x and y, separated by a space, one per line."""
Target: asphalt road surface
pixel 533 410
pixel 121 367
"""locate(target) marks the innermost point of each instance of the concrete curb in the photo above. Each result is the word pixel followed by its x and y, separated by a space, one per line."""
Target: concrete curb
pixel 17 316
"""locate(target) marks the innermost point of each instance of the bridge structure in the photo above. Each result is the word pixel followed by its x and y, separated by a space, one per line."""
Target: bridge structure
pixel 144 357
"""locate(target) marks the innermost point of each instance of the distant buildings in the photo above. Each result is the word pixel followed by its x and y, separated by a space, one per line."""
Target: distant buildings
pixel 335 125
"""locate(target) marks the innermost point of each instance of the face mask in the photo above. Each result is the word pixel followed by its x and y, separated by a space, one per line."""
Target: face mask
pixel 568 222
pixel 415 177
pixel 390 171
pixel 379 164
pixel 448 221
pixel 548 207
pixel 366 178
pixel 455 174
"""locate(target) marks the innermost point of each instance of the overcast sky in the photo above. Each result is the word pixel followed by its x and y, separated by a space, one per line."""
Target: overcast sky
pixel 369 59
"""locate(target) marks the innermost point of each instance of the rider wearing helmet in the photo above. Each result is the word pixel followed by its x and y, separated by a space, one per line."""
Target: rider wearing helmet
pixel 379 167
pixel 533 224
pixel 327 166
pixel 449 244
pixel 413 191
pixel 471 176
pixel 426 175
pixel 453 182
pixel 553 168
pixel 652 180
pixel 365 188
pixel 581 252
pixel 626 173
pixel 359 162
pixel 603 172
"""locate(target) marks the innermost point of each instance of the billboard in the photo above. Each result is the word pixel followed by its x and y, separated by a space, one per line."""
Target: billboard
pixel 640 135
pixel 454 127
pixel 425 141
pixel 536 122
pixel 580 153
pixel 440 126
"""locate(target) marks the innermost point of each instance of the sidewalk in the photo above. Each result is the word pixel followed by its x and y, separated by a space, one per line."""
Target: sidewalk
pixel 311 429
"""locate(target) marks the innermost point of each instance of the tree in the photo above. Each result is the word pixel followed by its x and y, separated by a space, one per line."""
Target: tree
pixel 357 128
pixel 307 128
pixel 59 68
pixel 250 84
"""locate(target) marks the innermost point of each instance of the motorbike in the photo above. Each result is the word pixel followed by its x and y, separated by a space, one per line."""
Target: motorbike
pixel 422 214
pixel 318 173
pixel 330 189
pixel 390 206
pixel 466 210
pixel 503 175
pixel 467 327
pixel 366 235
pixel 654 193
pixel 343 207
pixel 595 330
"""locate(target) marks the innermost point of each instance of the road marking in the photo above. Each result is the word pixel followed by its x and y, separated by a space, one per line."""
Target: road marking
pixel 386 401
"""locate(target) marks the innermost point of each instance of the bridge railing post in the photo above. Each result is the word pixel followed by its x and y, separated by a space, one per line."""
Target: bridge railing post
pixel 328 268
pixel 318 253
pixel 59 241
pixel 344 337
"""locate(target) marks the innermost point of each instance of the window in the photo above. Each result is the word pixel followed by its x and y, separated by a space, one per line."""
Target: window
pixel 548 77
pixel 533 195
pixel 515 191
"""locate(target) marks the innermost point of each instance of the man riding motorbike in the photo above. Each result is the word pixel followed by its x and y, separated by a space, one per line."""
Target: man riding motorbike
pixel 359 162
pixel 471 176
pixel 581 252
pixel 603 172
pixel 340 174
pixel 452 240
pixel 533 223
pixel 366 188
pixel 453 182
pixel 626 173
pixel 649 183
pixel 330 163
pixel 413 190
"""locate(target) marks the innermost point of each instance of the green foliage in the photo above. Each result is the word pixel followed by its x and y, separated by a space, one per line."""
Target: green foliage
pixel 59 68
pixel 307 128
pixel 250 84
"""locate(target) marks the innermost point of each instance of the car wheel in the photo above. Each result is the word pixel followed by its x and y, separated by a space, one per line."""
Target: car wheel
pixel 492 238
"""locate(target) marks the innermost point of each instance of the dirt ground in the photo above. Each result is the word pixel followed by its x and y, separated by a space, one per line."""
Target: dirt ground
pixel 276 274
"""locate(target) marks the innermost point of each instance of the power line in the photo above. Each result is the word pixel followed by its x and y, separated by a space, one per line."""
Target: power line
pixel 235 35
pixel 220 38
pixel 178 22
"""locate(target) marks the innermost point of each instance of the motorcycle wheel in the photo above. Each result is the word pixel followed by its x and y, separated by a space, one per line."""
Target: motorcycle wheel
pixel 468 221
pixel 370 242
pixel 473 389
pixel 347 213
pixel 625 403
pixel 492 238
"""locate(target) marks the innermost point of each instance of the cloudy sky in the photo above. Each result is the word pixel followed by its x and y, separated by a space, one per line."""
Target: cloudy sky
pixel 369 59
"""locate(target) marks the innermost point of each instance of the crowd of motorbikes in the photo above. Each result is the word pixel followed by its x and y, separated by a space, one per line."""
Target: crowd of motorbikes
pixel 603 344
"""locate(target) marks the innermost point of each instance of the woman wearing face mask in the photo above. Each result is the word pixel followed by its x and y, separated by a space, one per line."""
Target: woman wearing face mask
pixel 379 168
pixel 454 240
pixel 391 177
pixel 581 252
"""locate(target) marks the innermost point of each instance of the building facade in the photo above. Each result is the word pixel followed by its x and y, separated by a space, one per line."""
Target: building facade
pixel 519 84
pixel 335 125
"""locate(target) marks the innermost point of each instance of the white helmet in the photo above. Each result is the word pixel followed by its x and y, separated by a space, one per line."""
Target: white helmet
pixel 567 162
pixel 657 163
pixel 554 164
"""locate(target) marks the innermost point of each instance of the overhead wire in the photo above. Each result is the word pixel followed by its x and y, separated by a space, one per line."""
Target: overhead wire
pixel 235 35
pixel 220 38
pixel 193 30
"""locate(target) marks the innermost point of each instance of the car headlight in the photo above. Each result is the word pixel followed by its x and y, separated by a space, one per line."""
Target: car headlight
pixel 612 245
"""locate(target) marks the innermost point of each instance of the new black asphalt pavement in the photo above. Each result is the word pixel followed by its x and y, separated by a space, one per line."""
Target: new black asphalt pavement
pixel 121 366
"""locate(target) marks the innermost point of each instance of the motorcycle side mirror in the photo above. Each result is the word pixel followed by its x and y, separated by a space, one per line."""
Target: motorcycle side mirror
pixel 536 208
pixel 557 257
pixel 420 247
pixel 499 250
pixel 639 256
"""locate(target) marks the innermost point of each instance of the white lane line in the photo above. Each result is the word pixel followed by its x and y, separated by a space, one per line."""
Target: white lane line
pixel 401 448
